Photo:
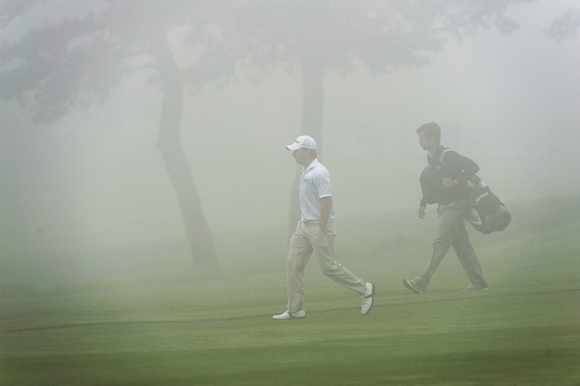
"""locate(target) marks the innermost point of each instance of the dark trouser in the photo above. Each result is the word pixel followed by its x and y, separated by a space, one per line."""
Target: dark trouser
pixel 452 231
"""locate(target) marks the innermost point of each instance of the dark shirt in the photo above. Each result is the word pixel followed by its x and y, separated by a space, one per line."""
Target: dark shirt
pixel 448 163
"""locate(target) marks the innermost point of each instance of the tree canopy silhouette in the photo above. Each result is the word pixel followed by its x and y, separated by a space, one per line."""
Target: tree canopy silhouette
pixel 54 68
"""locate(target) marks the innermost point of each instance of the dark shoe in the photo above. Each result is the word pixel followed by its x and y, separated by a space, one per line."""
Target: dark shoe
pixel 410 284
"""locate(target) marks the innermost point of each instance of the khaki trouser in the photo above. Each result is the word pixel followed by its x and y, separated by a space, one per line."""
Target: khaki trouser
pixel 309 238
pixel 452 231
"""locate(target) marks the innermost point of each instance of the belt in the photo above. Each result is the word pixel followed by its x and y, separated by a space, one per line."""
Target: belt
pixel 315 221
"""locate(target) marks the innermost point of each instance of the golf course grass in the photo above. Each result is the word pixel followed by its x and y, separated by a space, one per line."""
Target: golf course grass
pixel 215 327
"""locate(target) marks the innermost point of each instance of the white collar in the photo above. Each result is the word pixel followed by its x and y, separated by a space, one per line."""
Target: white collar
pixel 312 164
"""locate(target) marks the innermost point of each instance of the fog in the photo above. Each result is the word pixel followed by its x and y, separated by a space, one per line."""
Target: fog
pixel 91 184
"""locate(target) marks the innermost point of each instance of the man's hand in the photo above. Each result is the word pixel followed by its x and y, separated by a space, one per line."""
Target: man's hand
pixel 326 207
pixel 448 182
pixel 421 212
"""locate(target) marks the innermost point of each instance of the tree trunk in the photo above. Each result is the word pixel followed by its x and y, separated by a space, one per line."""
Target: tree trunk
pixel 312 113
pixel 169 145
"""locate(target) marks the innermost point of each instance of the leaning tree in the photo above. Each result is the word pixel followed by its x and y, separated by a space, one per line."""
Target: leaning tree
pixel 77 62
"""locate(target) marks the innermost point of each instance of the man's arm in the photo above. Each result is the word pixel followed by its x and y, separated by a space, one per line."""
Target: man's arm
pixel 428 189
pixel 326 203
pixel 421 212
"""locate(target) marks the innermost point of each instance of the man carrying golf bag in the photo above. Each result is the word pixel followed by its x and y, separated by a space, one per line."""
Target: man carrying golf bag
pixel 445 182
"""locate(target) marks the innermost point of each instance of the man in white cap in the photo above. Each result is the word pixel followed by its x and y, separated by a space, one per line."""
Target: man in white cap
pixel 315 233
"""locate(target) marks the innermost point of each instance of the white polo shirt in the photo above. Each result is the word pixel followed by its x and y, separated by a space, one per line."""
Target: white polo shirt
pixel 314 185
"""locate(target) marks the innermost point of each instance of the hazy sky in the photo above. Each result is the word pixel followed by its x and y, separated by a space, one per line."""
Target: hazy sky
pixel 511 103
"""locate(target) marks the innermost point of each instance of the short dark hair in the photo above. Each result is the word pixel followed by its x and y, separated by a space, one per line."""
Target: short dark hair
pixel 431 130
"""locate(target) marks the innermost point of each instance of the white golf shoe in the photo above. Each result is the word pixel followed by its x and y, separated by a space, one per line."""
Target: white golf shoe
pixel 290 315
pixel 368 299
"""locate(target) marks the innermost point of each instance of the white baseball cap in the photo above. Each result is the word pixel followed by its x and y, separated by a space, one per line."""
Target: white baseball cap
pixel 302 141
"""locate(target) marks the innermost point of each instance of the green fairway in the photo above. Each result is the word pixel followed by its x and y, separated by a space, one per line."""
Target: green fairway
pixel 215 328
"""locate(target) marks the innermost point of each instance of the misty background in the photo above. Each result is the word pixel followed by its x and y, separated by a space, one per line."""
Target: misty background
pixel 85 193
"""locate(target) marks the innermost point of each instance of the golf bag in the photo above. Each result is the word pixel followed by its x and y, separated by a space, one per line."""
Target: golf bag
pixel 488 213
